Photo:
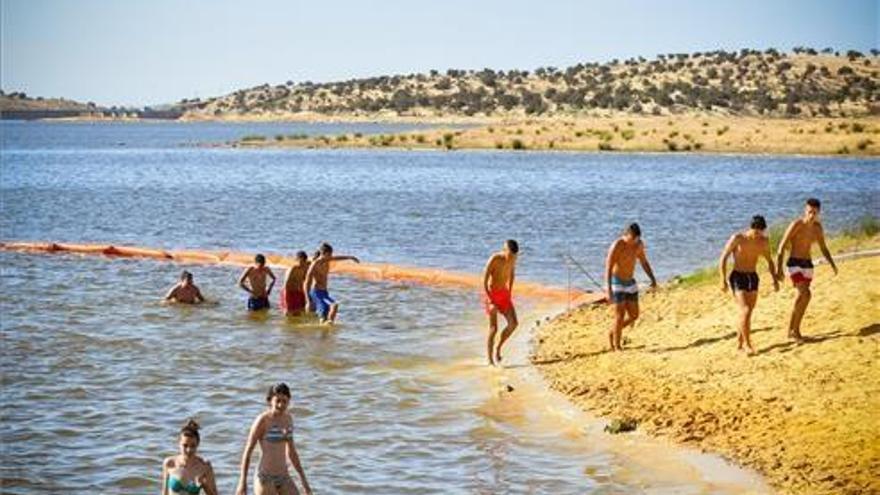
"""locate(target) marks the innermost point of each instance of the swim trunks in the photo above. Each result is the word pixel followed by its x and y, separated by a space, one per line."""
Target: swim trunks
pixel 800 270
pixel 278 481
pixel 292 301
pixel 743 281
pixel 623 290
pixel 258 303
pixel 500 298
pixel 322 301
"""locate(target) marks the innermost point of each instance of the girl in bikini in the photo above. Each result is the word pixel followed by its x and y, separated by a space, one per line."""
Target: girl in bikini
pixel 273 430
pixel 187 473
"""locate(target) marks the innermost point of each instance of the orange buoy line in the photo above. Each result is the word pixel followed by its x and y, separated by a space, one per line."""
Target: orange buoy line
pixel 433 277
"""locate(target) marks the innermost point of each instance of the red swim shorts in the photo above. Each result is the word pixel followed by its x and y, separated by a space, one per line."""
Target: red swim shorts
pixel 292 302
pixel 500 298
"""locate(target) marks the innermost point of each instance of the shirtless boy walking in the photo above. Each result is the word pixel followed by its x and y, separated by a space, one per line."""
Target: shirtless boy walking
pixel 293 299
pixel 622 290
pixel 498 277
pixel 746 247
pixel 799 238
pixel 255 276
pixel 185 291
pixel 316 282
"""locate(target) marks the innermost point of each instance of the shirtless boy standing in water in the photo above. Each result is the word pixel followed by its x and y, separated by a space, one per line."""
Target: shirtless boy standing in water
pixel 799 237
pixel 316 282
pixel 185 291
pixel 256 275
pixel 498 278
pixel 293 299
pixel 622 290
pixel 746 247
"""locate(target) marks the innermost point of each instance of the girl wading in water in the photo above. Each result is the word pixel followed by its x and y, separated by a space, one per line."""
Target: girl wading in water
pixel 273 429
pixel 187 472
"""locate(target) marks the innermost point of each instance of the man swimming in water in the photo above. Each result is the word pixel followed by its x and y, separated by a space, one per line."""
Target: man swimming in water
pixel 316 282
pixel 256 275
pixel 293 299
pixel 498 278
pixel 799 238
pixel 622 290
pixel 185 291
pixel 746 247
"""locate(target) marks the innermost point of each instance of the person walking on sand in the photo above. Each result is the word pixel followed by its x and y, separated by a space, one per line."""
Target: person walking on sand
pixel 799 239
pixel 255 276
pixel 498 278
pixel 293 299
pixel 317 281
pixel 622 290
pixel 273 431
pixel 746 247
pixel 185 291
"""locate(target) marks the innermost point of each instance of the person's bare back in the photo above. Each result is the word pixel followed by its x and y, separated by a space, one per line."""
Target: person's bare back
pixel 256 278
pixel 500 270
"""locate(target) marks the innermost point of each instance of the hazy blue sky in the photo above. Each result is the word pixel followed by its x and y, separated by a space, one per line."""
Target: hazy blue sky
pixel 143 52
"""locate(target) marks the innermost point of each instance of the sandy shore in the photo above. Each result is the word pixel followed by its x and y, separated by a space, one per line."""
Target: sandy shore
pixel 621 133
pixel 805 416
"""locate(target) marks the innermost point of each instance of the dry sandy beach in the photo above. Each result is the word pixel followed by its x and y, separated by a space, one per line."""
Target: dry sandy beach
pixel 805 416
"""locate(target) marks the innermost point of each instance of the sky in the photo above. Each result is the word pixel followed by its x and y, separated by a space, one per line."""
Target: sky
pixel 139 53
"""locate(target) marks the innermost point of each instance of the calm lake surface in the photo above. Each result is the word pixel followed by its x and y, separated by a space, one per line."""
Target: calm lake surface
pixel 98 376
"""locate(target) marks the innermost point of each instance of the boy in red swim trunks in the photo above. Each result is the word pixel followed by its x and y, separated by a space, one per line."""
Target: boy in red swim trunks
pixel 498 280
pixel 293 299
pixel 799 238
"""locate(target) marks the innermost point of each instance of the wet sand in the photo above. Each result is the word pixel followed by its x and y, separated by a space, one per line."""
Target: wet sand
pixel 804 416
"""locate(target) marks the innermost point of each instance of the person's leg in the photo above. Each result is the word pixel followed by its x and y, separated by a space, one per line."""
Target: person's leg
pixel 800 307
pixel 331 315
pixel 261 488
pixel 512 323
pixel 750 298
pixel 619 317
pixel 493 328
pixel 288 488
pixel 631 308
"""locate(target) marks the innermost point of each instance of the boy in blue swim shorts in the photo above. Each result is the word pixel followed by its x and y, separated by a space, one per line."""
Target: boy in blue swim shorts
pixel 315 285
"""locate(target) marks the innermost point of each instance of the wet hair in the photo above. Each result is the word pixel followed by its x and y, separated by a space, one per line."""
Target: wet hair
pixel 325 248
pixel 191 429
pixel 302 255
pixel 260 259
pixel 758 223
pixel 634 229
pixel 278 389
pixel 185 275
pixel 815 203
pixel 512 245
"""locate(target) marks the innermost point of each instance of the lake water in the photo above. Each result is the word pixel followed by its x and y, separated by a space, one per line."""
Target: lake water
pixel 97 376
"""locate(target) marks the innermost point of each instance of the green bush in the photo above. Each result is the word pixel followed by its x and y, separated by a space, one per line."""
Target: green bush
pixel 628 134
pixel 253 137
pixel 517 144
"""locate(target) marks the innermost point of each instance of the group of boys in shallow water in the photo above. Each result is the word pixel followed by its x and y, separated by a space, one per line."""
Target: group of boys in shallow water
pixel 273 429
pixel 305 285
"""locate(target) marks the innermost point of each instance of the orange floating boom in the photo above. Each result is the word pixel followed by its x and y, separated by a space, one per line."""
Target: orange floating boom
pixel 433 277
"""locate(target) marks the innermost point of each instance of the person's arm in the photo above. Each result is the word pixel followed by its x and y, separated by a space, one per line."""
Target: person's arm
pixel 512 278
pixel 307 285
pixel 345 258
pixel 272 283
pixel 242 278
pixel 172 293
pixel 783 244
pixel 487 275
pixel 769 257
pixel 643 260
pixel 824 248
pixel 165 476
pixel 209 483
pixel 722 263
pixel 297 465
pixel 199 297
pixel 253 436
pixel 609 265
